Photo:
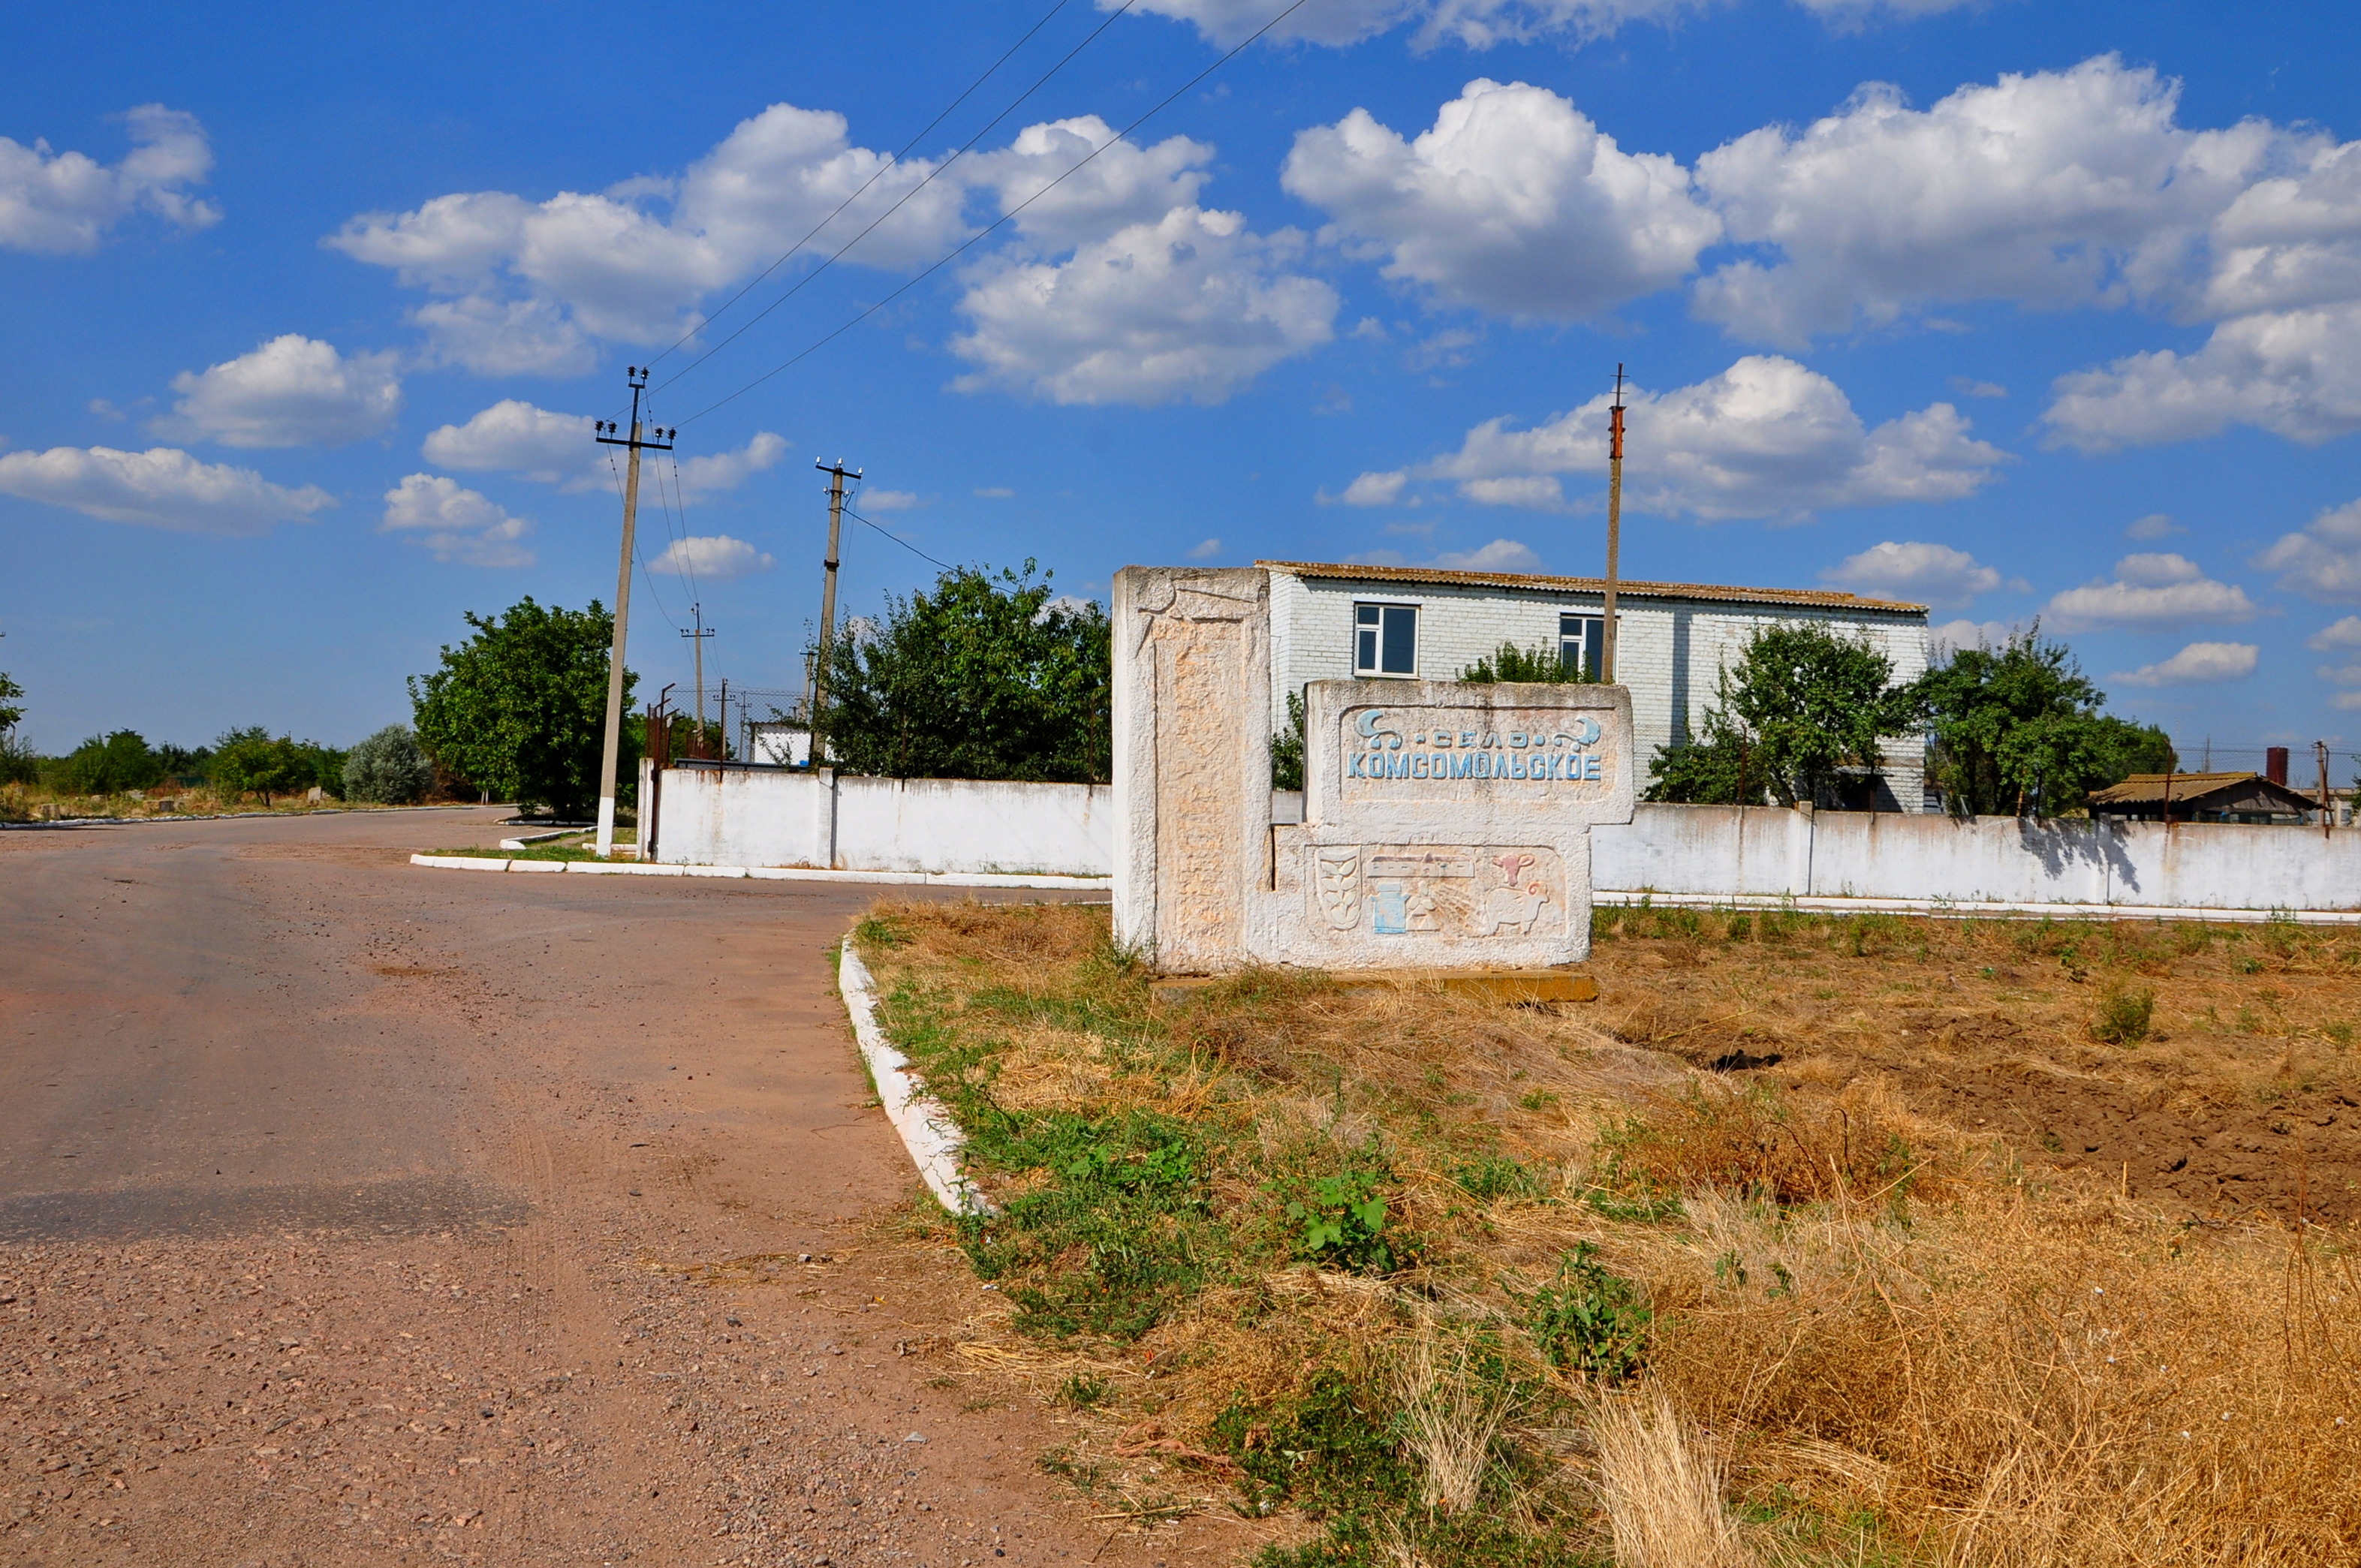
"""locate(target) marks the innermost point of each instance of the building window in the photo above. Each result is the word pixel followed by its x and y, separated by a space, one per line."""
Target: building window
pixel 1581 645
pixel 1384 639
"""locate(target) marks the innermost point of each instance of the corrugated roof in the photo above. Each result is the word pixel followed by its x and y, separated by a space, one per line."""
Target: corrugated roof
pixel 1816 598
pixel 2187 789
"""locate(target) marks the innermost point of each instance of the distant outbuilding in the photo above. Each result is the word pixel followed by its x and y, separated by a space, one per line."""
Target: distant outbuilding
pixel 2204 797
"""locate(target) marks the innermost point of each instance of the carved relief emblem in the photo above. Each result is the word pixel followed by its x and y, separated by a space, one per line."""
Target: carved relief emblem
pixel 1336 882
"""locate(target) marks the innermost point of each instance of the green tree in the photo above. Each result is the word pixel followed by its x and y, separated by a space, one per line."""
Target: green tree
pixel 985 677
pixel 251 762
pixel 1514 663
pixel 108 764
pixel 1801 705
pixel 388 769
pixel 11 710
pixel 2019 728
pixel 521 707
pixel 1287 747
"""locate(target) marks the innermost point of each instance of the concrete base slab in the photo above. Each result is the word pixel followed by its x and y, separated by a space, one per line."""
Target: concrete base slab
pixel 1505 986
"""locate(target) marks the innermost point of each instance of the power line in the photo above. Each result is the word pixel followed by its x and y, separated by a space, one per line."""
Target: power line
pixel 982 234
pixel 897 539
pixel 892 162
pixel 932 175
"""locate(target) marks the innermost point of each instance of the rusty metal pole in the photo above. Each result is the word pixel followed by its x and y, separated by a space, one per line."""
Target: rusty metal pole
pixel 1614 526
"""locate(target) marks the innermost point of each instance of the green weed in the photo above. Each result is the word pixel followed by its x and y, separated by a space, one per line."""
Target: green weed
pixel 1588 1321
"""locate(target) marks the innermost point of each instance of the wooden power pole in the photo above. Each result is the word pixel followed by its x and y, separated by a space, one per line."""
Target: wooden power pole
pixel 696 632
pixel 660 441
pixel 1614 525
pixel 837 473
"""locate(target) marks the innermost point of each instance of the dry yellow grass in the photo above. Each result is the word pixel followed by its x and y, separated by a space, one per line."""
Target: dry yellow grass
pixel 1895 1318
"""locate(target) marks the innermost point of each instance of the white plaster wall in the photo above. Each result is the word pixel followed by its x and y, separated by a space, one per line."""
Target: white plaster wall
pixel 964 825
pixel 1670 653
pixel 1719 850
pixel 751 817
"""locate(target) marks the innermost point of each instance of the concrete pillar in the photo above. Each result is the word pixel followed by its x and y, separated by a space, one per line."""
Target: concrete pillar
pixel 1192 667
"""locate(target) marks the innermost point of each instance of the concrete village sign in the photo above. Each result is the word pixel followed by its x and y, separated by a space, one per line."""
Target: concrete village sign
pixel 1446 826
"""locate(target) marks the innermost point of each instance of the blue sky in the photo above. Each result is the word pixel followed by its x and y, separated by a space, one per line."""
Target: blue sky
pixel 2018 309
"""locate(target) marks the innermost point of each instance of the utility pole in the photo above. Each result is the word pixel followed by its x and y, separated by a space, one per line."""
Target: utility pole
pixel 660 441
pixel 2327 801
pixel 696 639
pixel 837 473
pixel 1614 523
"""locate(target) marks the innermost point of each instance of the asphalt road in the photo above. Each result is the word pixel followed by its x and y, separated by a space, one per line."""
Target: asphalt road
pixel 353 1211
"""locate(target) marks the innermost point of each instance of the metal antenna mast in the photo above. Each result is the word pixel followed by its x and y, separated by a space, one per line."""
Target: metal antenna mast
pixel 1614 524
pixel 837 473
pixel 658 440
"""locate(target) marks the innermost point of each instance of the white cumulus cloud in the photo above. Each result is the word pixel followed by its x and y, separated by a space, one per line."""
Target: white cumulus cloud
pixel 163 487
pixel 888 501
pixel 2155 525
pixel 718 471
pixel 2324 560
pixel 2050 189
pixel 1480 24
pixel 1512 202
pixel 457 524
pixel 2295 373
pixel 1949 637
pixel 2154 592
pixel 1123 183
pixel 2198 662
pixel 1765 438
pixel 1916 570
pixel 513 436
pixel 1191 306
pixel 1499 555
pixel 716 557
pixel 292 391
pixel 65 203
pixel 520 286
pixel 2339 634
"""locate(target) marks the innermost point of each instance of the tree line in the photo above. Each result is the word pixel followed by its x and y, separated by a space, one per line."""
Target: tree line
pixel 996 676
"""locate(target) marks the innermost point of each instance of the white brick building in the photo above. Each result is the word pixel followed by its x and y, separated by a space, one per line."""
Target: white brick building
pixel 1672 639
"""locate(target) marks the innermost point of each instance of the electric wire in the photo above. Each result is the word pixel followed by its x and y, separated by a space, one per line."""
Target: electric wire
pixel 645 576
pixel 932 175
pixel 897 539
pixel 982 234
pixel 893 160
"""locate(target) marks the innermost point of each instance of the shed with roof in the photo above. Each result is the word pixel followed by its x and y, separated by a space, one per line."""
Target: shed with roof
pixel 2203 798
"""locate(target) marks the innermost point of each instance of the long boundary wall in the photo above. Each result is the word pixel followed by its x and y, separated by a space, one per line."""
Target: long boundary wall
pixel 766 817
pixel 1763 852
pixel 761 816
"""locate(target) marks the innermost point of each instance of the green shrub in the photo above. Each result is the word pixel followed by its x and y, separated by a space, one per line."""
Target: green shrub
pixel 1340 1220
pixel 1588 1321
pixel 2122 1017
pixel 389 768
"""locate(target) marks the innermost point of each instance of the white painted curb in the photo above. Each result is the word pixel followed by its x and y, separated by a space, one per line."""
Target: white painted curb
pixel 1946 909
pixel 928 1131
pixel 765 874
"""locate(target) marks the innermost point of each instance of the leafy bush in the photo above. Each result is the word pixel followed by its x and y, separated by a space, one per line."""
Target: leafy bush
pixel 389 768
pixel 250 762
pixel 112 764
pixel 1588 1321
pixel 2123 1018
pixel 19 764
pixel 1341 1221
pixel 1510 663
